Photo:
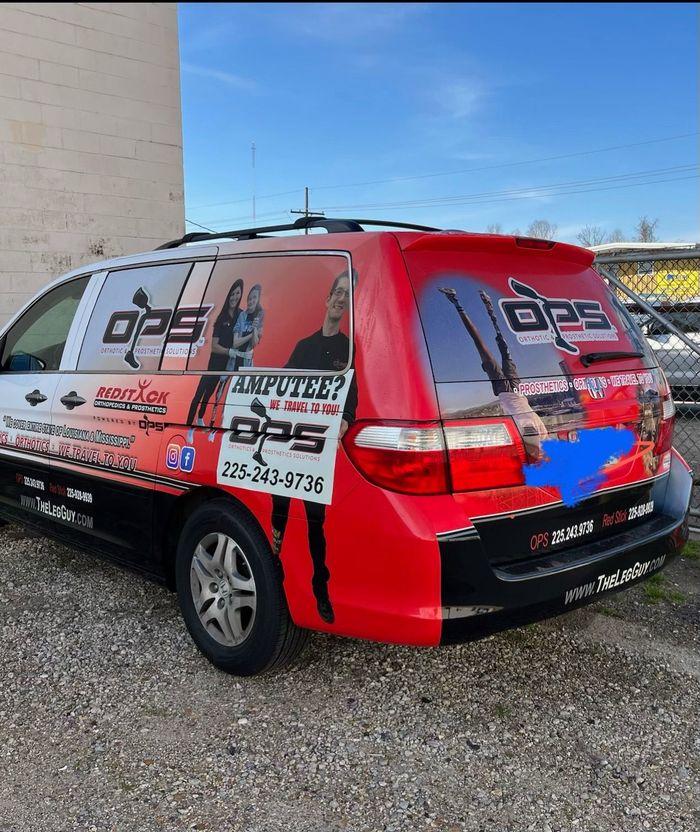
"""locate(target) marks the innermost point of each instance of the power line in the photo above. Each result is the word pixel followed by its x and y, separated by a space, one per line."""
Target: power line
pixel 199 226
pixel 231 222
pixel 246 199
pixel 529 196
pixel 234 220
pixel 490 196
pixel 434 201
pixel 462 171
pixel 510 164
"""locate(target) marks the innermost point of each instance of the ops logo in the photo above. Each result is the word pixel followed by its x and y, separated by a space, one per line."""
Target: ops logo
pixel 534 314
pixel 184 325
pixel 260 428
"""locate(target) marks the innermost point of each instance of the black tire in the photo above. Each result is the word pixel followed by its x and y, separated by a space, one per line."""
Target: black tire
pixel 270 639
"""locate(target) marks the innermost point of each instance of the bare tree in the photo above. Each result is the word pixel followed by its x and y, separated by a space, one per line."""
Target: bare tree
pixel 591 235
pixel 515 232
pixel 616 236
pixel 494 228
pixel 646 229
pixel 542 228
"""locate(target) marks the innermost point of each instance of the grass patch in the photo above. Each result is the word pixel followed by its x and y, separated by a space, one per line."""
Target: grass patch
pixel 610 612
pixel 655 590
pixel 692 550
pixel 502 711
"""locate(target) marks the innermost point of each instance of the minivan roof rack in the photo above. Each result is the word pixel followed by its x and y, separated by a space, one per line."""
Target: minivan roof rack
pixel 331 225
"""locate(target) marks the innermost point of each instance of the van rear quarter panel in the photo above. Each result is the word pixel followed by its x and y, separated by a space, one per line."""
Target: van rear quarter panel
pixel 394 375
pixel 382 553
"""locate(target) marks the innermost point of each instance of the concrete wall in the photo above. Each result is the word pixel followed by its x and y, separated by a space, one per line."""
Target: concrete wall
pixel 90 137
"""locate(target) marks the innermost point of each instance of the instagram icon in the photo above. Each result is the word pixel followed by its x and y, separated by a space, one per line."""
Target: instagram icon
pixel 172 456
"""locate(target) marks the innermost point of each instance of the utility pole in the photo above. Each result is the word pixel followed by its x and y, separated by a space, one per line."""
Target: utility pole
pixel 252 150
pixel 306 211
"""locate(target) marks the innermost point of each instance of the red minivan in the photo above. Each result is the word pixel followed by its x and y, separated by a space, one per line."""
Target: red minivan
pixel 407 435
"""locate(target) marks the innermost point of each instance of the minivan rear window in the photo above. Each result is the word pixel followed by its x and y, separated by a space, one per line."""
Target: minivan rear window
pixel 526 316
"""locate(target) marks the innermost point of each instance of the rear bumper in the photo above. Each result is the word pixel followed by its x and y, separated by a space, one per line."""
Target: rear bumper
pixel 479 598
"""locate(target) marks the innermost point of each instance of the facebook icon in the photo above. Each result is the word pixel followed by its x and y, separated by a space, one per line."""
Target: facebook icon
pixel 187 459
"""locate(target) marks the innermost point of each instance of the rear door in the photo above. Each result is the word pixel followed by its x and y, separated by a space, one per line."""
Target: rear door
pixel 536 361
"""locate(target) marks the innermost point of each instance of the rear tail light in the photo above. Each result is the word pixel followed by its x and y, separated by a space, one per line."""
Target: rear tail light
pixel 484 454
pixel 400 456
pixel 669 408
pixel 435 458
pixel 664 439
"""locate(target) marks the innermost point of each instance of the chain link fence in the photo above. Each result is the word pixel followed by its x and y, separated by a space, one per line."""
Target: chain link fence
pixel 661 290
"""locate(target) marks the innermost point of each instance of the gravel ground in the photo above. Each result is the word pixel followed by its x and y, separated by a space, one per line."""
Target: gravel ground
pixel 111 720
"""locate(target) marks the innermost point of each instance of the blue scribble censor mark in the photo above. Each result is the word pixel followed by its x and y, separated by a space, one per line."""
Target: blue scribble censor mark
pixel 575 467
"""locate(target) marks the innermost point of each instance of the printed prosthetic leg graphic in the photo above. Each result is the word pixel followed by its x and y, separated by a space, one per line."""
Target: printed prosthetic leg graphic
pixel 139 299
pixel 315 518
pixel 504 376
pixel 261 412
pixel 200 400
pixel 221 385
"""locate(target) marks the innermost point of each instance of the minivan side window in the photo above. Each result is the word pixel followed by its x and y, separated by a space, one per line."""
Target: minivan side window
pixel 131 320
pixel 37 340
pixel 270 312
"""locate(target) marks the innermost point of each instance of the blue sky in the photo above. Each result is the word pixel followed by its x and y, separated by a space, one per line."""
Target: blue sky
pixel 452 115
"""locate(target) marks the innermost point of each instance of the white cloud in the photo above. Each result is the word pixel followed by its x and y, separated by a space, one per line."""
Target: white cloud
pixel 205 38
pixel 533 195
pixel 218 75
pixel 347 22
pixel 460 98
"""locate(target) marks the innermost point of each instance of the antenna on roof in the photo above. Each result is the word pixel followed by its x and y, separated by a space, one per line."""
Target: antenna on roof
pixel 252 152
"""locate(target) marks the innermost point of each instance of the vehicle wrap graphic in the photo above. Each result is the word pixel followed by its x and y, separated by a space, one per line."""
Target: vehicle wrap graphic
pixel 141 398
pixel 137 319
pixel 57 511
pixel 608 581
pixel 93 444
pixel 283 433
pixel 537 319
pixel 126 329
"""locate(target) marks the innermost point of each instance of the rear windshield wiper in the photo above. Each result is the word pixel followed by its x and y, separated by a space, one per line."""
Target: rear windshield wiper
pixel 588 358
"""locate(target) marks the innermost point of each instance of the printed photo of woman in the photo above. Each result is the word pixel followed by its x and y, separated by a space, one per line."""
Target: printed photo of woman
pixel 247 332
pixel 222 344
